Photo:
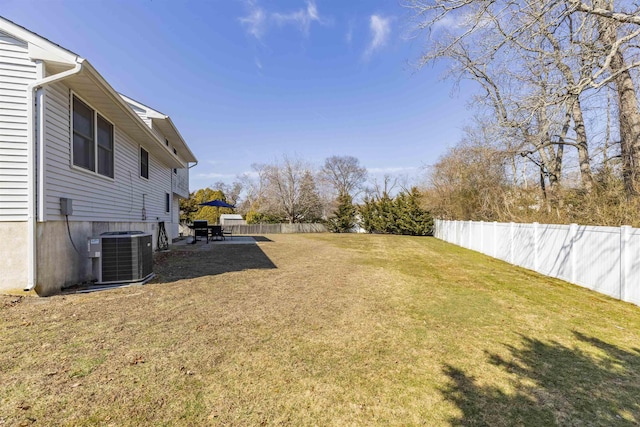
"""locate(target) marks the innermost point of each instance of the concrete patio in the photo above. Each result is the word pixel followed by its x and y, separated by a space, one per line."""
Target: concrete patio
pixel 201 243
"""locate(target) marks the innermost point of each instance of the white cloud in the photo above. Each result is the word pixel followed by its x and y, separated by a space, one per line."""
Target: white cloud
pixel 258 20
pixel 214 175
pixel 301 18
pixel 349 36
pixel 380 31
pixel 392 170
pixel 258 63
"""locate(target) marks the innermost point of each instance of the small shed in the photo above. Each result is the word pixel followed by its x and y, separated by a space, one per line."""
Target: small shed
pixel 232 219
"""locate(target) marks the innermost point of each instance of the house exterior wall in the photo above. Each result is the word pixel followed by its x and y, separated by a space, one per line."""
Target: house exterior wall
pixel 181 183
pixel 175 215
pixel 16 72
pixel 59 264
pixel 125 202
pixel 100 204
pixel 13 261
pixel 126 197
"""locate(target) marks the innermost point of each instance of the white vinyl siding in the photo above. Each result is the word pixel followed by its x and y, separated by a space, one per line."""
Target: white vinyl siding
pixel 174 228
pixel 181 182
pixel 141 113
pixel 96 198
pixel 16 72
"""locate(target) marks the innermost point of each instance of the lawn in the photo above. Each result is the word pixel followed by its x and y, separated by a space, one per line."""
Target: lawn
pixel 327 330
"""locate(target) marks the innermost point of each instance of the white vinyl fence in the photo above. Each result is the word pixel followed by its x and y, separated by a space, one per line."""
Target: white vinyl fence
pixel 604 259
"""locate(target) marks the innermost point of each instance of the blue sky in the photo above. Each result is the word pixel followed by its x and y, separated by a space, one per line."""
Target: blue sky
pixel 248 81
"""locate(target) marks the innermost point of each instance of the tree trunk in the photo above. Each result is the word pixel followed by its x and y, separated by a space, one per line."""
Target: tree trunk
pixel 629 113
pixel 583 150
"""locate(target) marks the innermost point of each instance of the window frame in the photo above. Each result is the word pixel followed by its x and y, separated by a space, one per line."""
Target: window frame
pixel 110 150
pixel 142 149
pixel 95 117
pixel 167 203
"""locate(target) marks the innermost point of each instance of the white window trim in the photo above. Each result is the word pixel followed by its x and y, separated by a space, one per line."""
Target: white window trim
pixel 95 140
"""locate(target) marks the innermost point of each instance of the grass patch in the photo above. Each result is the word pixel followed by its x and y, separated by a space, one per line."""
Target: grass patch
pixel 324 330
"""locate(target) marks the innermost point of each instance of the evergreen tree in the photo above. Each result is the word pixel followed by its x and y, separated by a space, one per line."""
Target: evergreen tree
pixel 401 215
pixel 368 212
pixel 344 217
pixel 411 219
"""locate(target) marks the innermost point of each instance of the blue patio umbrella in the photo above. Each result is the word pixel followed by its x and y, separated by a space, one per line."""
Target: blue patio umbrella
pixel 218 204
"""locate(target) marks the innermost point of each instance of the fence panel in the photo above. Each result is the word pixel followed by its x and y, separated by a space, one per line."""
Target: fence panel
pixel 554 251
pixel 523 246
pixel 604 259
pixel 277 228
pixel 631 291
pixel 489 245
pixel 504 242
pixel 598 259
pixel 476 237
pixel 464 233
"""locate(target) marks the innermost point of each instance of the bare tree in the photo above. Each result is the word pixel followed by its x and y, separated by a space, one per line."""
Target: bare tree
pixel 468 182
pixel 537 62
pixel 614 46
pixel 344 174
pixel 287 189
pixel 231 191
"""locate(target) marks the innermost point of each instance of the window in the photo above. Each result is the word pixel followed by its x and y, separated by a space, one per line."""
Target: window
pixel 105 147
pixel 175 171
pixel 92 140
pixel 166 142
pixel 167 202
pixel 83 135
pixel 144 163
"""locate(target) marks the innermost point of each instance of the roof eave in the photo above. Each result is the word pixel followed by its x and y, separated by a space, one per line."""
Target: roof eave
pixel 160 149
pixel 39 47
pixel 183 149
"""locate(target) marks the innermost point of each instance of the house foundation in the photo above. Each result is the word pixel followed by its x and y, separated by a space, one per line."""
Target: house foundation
pixel 13 256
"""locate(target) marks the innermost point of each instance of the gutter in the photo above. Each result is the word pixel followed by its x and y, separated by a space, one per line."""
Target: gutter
pixel 31 162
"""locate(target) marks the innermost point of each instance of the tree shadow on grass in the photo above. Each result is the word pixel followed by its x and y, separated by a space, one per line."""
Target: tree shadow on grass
pixel 593 384
pixel 190 264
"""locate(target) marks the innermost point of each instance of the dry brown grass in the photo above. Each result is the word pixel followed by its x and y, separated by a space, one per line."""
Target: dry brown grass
pixel 323 330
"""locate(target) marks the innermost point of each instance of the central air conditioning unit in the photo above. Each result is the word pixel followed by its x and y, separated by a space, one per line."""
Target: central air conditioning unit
pixel 122 256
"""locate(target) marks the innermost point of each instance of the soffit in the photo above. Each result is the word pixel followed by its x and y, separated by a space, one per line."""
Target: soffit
pixel 109 104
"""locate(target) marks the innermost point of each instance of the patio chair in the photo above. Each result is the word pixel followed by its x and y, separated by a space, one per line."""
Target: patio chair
pixel 216 232
pixel 228 231
pixel 200 229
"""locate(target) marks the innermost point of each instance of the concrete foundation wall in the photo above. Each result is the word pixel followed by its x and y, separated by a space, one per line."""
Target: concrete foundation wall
pixel 13 256
pixel 59 264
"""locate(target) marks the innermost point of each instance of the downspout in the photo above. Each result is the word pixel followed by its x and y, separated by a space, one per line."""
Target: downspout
pixel 31 162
